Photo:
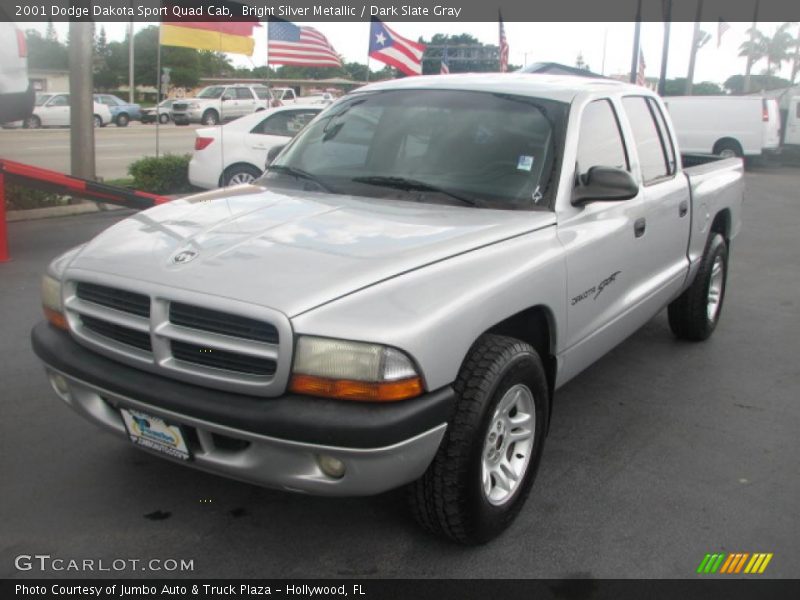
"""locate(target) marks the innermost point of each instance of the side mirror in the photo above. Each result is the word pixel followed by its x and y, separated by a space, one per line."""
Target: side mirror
pixel 273 152
pixel 605 184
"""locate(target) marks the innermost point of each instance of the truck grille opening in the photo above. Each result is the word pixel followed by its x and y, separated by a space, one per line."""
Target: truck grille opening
pixel 221 359
pixel 179 106
pixel 214 321
pixel 122 300
pixel 118 333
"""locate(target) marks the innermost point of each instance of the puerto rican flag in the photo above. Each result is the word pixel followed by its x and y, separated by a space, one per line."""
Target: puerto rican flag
pixel 445 69
pixel 394 50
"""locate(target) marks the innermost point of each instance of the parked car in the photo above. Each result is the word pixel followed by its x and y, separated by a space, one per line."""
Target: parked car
pixel 16 92
pixel 791 126
pixel 236 152
pixel 52 110
pixel 395 301
pixel 160 112
pixel 726 125
pixel 217 103
pixel 284 95
pixel 122 112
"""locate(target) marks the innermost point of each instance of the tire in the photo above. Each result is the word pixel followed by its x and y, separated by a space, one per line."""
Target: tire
pixel 97 121
pixel 163 119
pixel 695 313
pixel 728 149
pixel 210 118
pixel 122 120
pixel 33 122
pixel 240 174
pixel 454 497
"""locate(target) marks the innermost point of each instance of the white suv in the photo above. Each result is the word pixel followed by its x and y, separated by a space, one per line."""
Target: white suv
pixel 217 103
pixel 16 93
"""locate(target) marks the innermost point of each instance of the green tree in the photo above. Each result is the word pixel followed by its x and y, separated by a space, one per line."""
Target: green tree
pixel 45 53
pixel 105 78
pixel 775 49
pixel 677 87
pixel 466 54
pixel 735 83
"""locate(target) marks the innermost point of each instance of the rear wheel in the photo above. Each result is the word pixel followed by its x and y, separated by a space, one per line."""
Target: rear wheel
pixel 122 120
pixel 239 174
pixel 728 149
pixel 486 464
pixel 695 313
pixel 163 119
pixel 97 121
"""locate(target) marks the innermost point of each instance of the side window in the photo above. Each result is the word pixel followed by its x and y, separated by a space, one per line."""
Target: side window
pixel 286 123
pixel 663 132
pixel 600 140
pixel 649 145
pixel 60 100
pixel 244 94
pixel 229 94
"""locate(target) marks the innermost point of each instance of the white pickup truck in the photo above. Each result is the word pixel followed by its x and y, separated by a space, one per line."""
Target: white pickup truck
pixel 396 300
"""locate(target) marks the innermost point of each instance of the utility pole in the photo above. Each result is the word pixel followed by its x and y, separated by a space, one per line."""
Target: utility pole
pixel 662 80
pixel 749 66
pixel 695 46
pixel 131 96
pixel 636 32
pixel 81 84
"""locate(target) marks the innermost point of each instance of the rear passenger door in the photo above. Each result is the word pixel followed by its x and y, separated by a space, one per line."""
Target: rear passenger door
pixel 665 200
pixel 246 102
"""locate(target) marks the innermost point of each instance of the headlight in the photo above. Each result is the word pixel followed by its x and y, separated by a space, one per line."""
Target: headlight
pixel 194 105
pixel 353 371
pixel 51 301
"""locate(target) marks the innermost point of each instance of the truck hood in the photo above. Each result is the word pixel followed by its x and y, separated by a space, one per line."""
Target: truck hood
pixel 292 251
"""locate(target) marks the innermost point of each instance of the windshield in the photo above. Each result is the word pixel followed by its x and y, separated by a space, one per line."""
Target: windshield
pixel 457 147
pixel 215 91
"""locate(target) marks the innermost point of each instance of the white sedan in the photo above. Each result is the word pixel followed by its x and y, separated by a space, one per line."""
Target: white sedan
pixel 236 153
pixel 52 110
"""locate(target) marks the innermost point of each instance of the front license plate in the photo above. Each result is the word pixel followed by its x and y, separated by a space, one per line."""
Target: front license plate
pixel 155 433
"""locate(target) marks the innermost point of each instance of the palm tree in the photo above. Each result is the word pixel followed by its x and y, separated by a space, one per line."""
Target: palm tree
pixel 775 49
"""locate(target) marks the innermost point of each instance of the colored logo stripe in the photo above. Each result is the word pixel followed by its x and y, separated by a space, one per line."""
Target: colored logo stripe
pixel 734 563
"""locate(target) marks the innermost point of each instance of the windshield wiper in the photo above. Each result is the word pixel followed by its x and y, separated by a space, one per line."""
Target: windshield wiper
pixel 403 183
pixel 300 174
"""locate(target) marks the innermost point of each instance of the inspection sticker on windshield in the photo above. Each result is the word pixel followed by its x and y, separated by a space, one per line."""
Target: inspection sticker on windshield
pixel 525 162
pixel 155 434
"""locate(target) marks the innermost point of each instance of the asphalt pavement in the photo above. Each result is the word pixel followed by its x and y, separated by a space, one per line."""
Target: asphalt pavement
pixel 661 452
pixel 115 147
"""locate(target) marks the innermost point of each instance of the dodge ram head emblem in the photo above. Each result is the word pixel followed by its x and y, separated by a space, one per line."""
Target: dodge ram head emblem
pixel 184 257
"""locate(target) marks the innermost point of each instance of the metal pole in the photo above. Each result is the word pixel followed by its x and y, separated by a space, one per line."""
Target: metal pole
pixel 750 54
pixel 695 46
pixel 602 65
pixel 636 33
pixel 662 79
pixel 130 63
pixel 158 88
pixel 81 133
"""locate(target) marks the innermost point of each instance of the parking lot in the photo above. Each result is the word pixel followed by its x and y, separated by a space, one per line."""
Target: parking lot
pixel 115 147
pixel 659 453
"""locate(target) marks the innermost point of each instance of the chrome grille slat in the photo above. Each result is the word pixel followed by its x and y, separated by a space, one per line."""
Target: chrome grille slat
pixel 206 340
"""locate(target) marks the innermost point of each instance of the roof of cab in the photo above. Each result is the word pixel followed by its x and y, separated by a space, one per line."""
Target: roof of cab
pixel 562 88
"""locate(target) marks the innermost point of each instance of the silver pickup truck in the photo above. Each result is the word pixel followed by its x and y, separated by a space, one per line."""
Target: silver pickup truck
pixel 395 301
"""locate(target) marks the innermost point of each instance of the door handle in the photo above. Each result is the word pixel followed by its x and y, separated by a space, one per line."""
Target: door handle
pixel 683 208
pixel 639 226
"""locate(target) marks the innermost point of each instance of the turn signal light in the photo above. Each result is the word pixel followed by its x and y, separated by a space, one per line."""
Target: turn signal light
pixel 346 389
pixel 22 44
pixel 202 142
pixel 56 318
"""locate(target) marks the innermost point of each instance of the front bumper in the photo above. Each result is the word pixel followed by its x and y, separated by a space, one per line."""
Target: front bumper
pixel 192 115
pixel 274 442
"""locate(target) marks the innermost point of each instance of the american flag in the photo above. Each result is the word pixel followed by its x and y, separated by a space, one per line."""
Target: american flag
pixel 445 70
pixel 503 45
pixel 395 50
pixel 722 27
pixel 640 80
pixel 289 44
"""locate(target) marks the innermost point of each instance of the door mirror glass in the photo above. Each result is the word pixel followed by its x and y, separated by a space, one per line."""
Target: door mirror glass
pixel 605 184
pixel 273 152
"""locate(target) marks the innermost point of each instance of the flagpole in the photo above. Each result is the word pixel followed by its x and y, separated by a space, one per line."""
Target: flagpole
pixel 636 32
pixel 367 78
pixel 158 88
pixel 369 43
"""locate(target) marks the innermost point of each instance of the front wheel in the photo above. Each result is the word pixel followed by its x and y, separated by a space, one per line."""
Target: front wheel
pixel 122 120
pixel 486 464
pixel 163 119
pixel 32 122
pixel 695 313
pixel 97 121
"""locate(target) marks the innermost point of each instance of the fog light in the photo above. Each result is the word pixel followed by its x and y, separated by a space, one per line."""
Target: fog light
pixel 331 466
pixel 60 385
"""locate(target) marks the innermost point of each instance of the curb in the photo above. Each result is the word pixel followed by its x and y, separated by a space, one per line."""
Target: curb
pixel 57 211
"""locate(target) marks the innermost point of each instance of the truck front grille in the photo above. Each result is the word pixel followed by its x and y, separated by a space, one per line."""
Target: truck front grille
pixel 117 333
pixel 179 106
pixel 136 304
pixel 184 335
